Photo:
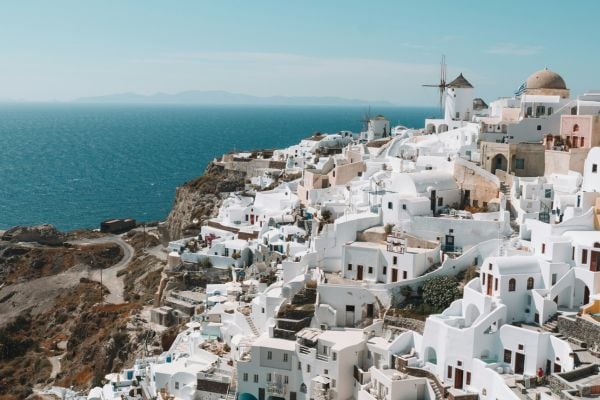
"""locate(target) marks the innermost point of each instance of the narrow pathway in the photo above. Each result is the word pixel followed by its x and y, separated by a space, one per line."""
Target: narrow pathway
pixel 108 276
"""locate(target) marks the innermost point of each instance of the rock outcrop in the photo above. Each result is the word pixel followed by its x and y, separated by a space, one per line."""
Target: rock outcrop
pixel 198 200
pixel 43 234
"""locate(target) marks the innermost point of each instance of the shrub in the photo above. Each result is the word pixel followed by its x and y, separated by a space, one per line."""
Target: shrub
pixel 439 292
pixel 388 228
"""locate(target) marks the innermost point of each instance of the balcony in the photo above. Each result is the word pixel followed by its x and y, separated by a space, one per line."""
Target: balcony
pixel 277 388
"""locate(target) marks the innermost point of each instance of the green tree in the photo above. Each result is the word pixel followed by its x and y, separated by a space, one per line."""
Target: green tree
pixel 439 292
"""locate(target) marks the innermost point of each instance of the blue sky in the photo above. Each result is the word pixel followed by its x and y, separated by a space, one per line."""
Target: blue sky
pixel 375 50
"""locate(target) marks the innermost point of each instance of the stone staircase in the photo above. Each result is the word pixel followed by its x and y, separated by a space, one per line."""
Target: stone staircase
pixel 436 391
pixel 297 315
pixel 252 326
pixel 551 325
pixel 504 188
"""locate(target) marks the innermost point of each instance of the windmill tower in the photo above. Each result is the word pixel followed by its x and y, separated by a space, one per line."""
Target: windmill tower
pixel 456 97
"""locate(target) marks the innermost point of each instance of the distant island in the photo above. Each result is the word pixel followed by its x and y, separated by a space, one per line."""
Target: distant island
pixel 219 97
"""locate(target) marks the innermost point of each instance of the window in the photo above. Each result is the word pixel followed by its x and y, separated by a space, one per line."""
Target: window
pixel 286 380
pixel 576 128
pixel 384 270
pixel 255 378
pixel 543 248
pixel 550 110
pixel 245 377
pixel 360 173
pixel 302 388
pixel 334 356
pixel 269 377
pixel 404 275
pixel 325 350
pixel 553 279
pixel 404 206
pixel 395 260
pixel 530 282
pixel 468 378
pixel 307 367
pixel 496 284
pixel 349 267
pixel 269 355
pixel 299 365
pixel 529 111
pixel 573 253
pixel 325 372
pixel 176 385
pixel 584 256
pixel 449 371
pixel 512 285
pixel 285 357
pixel 507 356
pixel 483 278
pixel 390 205
pixel 594 168
pixel 548 193
pixel 370 270
pixel 520 163
pixel 440 201
pixel 539 127
pixel 333 383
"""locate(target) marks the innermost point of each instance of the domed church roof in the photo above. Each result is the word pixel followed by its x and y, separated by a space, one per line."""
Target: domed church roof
pixel 545 79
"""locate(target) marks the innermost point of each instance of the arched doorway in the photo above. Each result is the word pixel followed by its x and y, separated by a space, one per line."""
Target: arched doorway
pixel 430 128
pixel 442 128
pixel 471 314
pixel 499 162
pixel 431 355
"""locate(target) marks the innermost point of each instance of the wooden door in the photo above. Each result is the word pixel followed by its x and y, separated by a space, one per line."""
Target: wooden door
pixel 359 272
pixel 458 378
pixel 519 363
pixel 490 284
pixel 394 275
pixel 261 393
pixel 586 295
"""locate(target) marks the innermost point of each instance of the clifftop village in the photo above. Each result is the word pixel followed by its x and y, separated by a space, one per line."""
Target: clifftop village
pixel 457 261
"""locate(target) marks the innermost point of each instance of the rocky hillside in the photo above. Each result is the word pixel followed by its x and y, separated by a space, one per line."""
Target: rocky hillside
pixel 53 328
pixel 199 199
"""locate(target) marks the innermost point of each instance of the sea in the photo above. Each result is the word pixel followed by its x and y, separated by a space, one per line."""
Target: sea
pixel 75 165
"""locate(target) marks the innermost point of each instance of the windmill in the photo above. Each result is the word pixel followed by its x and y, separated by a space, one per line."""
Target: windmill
pixel 442 85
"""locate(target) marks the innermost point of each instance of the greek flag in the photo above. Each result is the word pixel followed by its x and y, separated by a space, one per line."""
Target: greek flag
pixel 521 89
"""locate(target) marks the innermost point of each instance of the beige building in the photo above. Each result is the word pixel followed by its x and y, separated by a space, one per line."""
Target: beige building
pixel 479 186
pixel 567 151
pixel 519 159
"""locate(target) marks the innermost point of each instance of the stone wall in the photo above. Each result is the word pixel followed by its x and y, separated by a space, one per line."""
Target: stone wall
pixel 581 329
pixel 406 323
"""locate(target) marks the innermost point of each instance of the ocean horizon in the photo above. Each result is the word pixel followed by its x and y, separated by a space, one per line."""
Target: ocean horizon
pixel 75 165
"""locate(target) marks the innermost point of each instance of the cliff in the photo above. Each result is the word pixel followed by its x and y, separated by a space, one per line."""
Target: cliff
pixel 198 200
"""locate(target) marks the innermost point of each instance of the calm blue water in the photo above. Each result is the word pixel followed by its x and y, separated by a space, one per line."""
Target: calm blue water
pixel 76 165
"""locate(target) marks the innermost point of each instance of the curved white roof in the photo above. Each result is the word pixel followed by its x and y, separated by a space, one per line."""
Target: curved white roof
pixel 423 180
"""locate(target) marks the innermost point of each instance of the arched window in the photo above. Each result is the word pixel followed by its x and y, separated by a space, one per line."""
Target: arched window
pixel 576 128
pixel 530 283
pixel 512 285
pixel 303 388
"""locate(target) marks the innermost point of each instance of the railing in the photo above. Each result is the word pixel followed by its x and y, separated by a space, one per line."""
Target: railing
pixel 322 357
pixel 277 388
pixel 304 350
